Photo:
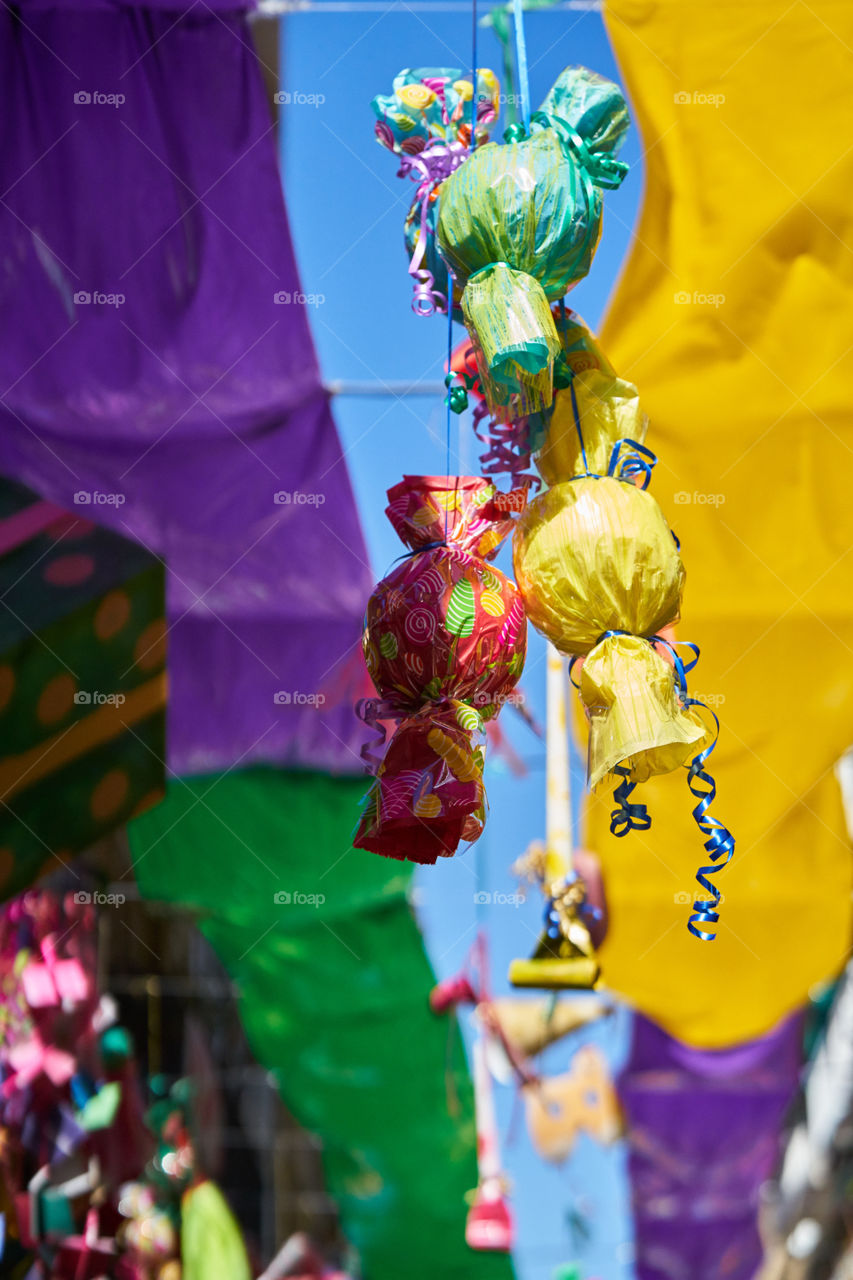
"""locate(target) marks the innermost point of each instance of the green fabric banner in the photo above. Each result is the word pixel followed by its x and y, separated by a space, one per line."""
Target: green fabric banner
pixel 334 985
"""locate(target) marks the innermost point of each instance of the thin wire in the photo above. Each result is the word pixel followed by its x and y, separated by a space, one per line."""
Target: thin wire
pixel 475 95
pixel 521 59
pixel 449 359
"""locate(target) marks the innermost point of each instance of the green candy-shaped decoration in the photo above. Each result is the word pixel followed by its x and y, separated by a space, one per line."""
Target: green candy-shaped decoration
pixel 461 610
pixel 388 645
pixel 469 719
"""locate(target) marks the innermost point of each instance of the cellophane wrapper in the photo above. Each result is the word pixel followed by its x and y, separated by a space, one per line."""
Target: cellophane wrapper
pixel 444 640
pixel 593 556
pixel 530 209
pixel 608 410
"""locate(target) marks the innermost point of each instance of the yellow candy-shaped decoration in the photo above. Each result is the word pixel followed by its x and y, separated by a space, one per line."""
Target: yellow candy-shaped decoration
pixel 594 556
pixel 416 96
pixel 428 806
pixel 462 764
pixel 608 409
pixel 492 603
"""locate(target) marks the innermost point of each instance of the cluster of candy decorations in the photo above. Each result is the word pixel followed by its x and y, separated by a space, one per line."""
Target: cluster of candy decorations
pixel 499 233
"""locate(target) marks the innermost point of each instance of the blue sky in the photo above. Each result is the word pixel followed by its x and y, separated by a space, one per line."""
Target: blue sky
pixel 346 208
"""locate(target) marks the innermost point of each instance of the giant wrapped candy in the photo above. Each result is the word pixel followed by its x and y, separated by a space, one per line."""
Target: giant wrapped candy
pixel 426 121
pixel 519 224
pixel 444 639
pixel 601 575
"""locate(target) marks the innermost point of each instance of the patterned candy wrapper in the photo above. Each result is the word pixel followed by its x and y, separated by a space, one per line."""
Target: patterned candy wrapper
pixel 433 104
pixel 426 121
pixel 445 638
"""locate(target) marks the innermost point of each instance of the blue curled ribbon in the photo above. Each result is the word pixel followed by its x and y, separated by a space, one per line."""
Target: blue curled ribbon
pixel 626 816
pixel 639 462
pixel 719 842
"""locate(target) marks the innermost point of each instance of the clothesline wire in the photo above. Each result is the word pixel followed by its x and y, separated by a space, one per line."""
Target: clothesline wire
pixel 292 8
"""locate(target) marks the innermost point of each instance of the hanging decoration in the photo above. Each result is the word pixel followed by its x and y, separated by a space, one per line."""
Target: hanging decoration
pixel 581 1100
pixel 444 640
pixel 518 225
pixel 427 121
pixel 565 955
pixel 557 1109
pixel 489 1225
pixel 601 575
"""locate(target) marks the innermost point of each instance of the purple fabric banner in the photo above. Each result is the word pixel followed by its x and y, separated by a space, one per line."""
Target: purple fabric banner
pixel 156 364
pixel 704 1132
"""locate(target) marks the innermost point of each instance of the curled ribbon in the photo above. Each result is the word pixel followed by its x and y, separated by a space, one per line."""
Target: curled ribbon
pixel 370 711
pixel 508 447
pixel 626 816
pixel 429 170
pixel 719 842
pixel 458 385
pixel 639 462
pixel 603 170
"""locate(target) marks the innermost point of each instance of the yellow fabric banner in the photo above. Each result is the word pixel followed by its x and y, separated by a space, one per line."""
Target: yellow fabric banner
pixel 734 317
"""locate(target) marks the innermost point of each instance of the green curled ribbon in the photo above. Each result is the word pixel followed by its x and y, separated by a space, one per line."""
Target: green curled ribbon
pixel 603 170
pixel 515 132
pixel 458 386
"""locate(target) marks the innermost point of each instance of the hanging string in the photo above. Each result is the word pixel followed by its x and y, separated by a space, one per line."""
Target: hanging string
pixel 577 417
pixel 449 409
pixel 475 96
pixel 521 59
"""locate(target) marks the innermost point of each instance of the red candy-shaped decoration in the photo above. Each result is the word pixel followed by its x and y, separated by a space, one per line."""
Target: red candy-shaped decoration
pixel 445 638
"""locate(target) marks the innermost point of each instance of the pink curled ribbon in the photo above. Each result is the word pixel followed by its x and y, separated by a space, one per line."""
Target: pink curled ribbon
pixel 508 447
pixel 371 711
